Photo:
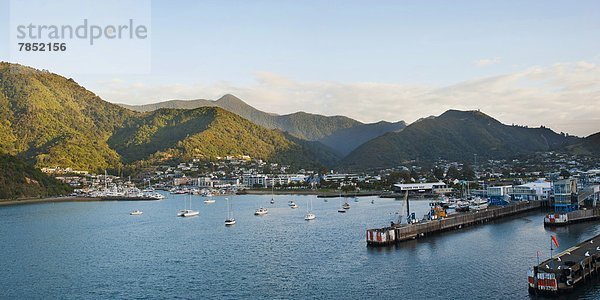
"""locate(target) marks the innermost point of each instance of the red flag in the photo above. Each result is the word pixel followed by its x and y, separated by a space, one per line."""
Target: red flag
pixel 555 241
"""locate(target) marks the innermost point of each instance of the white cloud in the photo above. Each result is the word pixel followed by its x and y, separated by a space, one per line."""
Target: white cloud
pixel 564 97
pixel 484 62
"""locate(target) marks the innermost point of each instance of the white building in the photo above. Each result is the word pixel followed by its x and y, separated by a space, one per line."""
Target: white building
pixel 541 187
pixel 498 191
pixel 436 187
pixel 251 180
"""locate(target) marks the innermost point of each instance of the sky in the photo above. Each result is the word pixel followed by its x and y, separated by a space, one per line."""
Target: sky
pixel 524 62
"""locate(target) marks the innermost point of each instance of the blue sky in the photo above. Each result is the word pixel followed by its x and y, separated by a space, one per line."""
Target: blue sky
pixel 284 56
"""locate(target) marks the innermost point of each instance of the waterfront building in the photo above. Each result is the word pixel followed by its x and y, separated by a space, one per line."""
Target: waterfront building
pixel 435 187
pixel 499 195
pixel 565 195
pixel 537 190
pixel 253 180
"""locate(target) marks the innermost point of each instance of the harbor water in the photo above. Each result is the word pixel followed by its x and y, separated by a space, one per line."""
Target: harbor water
pixel 96 250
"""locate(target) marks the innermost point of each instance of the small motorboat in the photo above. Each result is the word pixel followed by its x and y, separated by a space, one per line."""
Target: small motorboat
pixel 346 205
pixel 294 206
pixel 229 222
pixel 310 216
pixel 136 213
pixel 261 211
pixel 188 213
pixel 272 201
pixel 462 206
pixel 291 203
pixel 209 201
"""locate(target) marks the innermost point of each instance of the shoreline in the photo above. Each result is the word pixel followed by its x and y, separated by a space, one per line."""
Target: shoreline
pixel 7 202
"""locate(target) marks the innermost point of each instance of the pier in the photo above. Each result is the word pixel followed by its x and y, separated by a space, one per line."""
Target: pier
pixel 403 232
pixel 563 272
pixel 562 219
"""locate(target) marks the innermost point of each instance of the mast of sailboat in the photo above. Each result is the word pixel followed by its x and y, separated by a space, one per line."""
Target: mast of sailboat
pixel 228 209
pixel 407 207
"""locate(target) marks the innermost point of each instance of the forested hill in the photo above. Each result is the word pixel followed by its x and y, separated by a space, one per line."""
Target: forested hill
pixel 456 136
pixel 19 179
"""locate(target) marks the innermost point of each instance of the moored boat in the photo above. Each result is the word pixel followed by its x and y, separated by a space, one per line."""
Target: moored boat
pixel 261 211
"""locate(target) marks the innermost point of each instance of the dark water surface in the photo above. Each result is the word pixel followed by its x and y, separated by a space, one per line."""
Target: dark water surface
pixel 96 250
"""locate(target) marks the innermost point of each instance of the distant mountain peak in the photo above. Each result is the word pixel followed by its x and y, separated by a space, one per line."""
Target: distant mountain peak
pixel 230 98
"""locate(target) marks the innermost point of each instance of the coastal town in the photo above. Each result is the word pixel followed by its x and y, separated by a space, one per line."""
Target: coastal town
pixel 527 179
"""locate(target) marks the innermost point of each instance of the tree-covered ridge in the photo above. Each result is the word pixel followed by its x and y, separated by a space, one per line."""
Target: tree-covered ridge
pixel 18 179
pixel 456 136
pixel 55 121
pixel 208 133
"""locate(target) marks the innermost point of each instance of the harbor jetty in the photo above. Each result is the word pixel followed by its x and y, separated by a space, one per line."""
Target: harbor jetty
pixel 562 219
pixel 563 272
pixel 397 233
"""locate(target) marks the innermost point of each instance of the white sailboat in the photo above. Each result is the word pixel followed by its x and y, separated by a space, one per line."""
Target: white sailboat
pixel 346 205
pixel 341 209
pixel 188 212
pixel 309 214
pixel 230 220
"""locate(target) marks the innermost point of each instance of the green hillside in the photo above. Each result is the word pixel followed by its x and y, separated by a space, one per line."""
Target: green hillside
pixel 19 179
pixel 208 133
pixel 454 135
pixel 55 121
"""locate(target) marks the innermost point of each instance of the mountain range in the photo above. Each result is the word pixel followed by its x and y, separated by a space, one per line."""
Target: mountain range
pixel 342 134
pixel 50 120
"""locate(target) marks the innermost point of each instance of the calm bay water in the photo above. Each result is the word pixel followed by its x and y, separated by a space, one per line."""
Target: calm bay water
pixel 97 250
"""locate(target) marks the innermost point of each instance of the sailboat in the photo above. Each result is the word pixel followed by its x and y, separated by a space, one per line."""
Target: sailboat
pixel 309 214
pixel 272 195
pixel 346 205
pixel 188 212
pixel 341 209
pixel 230 220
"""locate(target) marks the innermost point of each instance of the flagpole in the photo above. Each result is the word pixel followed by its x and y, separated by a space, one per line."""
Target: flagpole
pixel 551 255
